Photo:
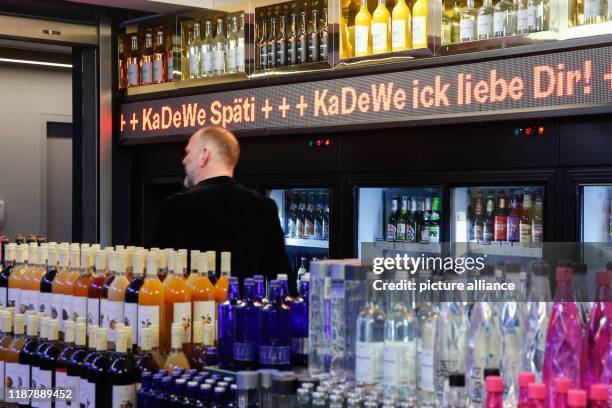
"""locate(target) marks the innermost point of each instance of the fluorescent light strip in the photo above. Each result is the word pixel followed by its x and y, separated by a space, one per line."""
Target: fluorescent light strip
pixel 29 62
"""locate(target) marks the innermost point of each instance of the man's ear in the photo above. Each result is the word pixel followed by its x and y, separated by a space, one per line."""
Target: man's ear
pixel 204 156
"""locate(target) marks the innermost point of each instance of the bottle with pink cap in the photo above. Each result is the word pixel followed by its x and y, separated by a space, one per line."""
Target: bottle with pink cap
pixel 599 326
pixel 564 336
pixel 599 396
pixel 537 395
pixel 560 389
pixel 524 379
pixel 576 399
pixel 495 392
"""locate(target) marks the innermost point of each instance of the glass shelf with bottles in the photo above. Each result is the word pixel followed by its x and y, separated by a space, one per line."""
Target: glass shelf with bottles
pixel 586 18
pixel 292 37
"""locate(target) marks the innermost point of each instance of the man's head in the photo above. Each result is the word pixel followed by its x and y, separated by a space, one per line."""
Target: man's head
pixel 211 152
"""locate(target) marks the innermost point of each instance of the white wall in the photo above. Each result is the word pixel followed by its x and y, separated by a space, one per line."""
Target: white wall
pixel 29 97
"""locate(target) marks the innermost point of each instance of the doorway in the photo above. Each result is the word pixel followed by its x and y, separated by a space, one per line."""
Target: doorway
pixel 59 182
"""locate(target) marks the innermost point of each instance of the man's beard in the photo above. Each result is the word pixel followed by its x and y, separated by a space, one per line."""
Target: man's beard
pixel 187 183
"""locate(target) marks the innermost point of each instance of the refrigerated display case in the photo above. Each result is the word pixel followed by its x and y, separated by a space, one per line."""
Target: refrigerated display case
pixel 402 219
pixel 596 228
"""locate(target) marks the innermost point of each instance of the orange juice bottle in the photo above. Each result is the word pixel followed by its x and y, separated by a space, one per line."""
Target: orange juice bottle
pixel 223 283
pixel 203 293
pixel 194 256
pixel 178 303
pixel 81 285
pixel 58 283
pixel 151 304
pixel 116 298
pixel 14 283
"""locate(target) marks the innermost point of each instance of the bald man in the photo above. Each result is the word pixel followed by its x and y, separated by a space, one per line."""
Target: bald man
pixel 216 213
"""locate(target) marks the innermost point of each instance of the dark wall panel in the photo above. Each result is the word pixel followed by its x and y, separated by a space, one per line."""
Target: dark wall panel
pixel 586 142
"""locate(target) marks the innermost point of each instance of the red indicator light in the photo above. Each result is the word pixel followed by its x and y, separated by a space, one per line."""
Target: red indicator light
pixel 528 131
pixel 541 130
pixel 319 142
pixel 327 142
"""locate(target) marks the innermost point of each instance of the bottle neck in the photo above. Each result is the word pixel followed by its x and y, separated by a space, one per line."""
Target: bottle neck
pixel 160 38
pixel 564 292
pixel 234 292
pixel 603 294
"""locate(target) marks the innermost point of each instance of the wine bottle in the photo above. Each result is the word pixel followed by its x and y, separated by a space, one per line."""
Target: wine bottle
pixel 122 373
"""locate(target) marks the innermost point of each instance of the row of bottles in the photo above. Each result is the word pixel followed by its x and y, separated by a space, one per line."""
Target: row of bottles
pixel 287 36
pixel 145 58
pixel 205 53
pixel 417 222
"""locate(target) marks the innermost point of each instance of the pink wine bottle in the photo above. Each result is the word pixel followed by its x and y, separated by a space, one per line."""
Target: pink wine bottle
pixel 524 379
pixel 564 336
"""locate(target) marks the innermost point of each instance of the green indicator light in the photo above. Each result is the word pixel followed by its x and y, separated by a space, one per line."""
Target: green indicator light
pixel 310 143
pixel 517 132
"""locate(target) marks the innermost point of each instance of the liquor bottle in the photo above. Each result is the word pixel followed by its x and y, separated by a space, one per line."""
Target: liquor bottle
pixel 292 59
pixel 325 221
pixel 122 374
pixel 133 64
pixel 195 52
pixel 81 286
pixel 212 266
pixel 43 256
pixel 131 317
pixel 598 328
pixel 485 27
pixel 146 63
pixel 504 19
pixel 525 223
pixel 500 227
pixel 63 358
pixel 318 219
pixel 206 52
pixel 468 22
pixel 400 348
pixel 419 24
pixel 46 283
pixel 363 23
pixel 197 354
pixel 114 312
pixel 14 281
pixel 203 294
pixel 401 27
pixel 272 45
pixel 495 391
pixel 537 395
pixel 427 317
pixel 170 53
pixel 232 46
pixel 412 224
pixel 299 221
pixel 488 224
pixel 157 355
pixel 260 290
pixel 537 233
pixel 11 356
pixel 522 17
pixel 299 324
pixel 9 253
pixel 313 37
pixel 176 358
pixel 94 290
pixel 151 301
pixel 391 232
pixel 478 218
pixel 48 360
pixel 96 391
pixel 324 37
pixel 262 46
pixel 90 355
pixel 246 329
pixel 226 325
pixel 538 14
pixel 75 363
pixel 381 29
pixel 425 226
pixel 275 340
pixel 144 360
pixel 177 296
pixel 219 50
pixel 370 337
pixel 160 60
pixel 513 221
pixel 26 354
pixel 281 43
pixel 222 284
pixel 240 59
pixel 122 62
pixel 309 218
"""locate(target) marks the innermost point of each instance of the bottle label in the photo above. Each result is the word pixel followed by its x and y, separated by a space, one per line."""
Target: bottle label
pixel 434 234
pixel 263 57
pixel 426 375
pixel 308 228
pixel 303 50
pixel 13 295
pixel 299 345
pixel 368 362
pixel 104 313
pixel 484 26
pixel 292 52
pixel 219 61
pixel 133 75
pixel 207 62
pixel 147 316
pixel 147 73
pixel 25 300
pixel 500 228
pixel 536 233
pixel 83 389
pixel 124 396
pixel 24 380
pixel 410 233
pixel 158 71
pixel 274 355
pixel 66 311
pixel 425 233
pixel 379 37
pixel 512 232
pixel 419 32
pixel 240 53
pixel 45 382
pixel 401 231
pixel 115 313
pixel 11 377
pixel 398 363
pixel 525 233
pixel 79 307
pixel 194 66
pixel 61 382
pixel 3 296
pixel 245 351
pixel 522 21
pixel 398 35
pixel 73 383
pixel 467 29
pixel 93 312
pixel 362 34
pixel 33 378
pixel 477 231
pixel 46 303
pixel 231 58
pixel 282 54
pixel 182 314
pixel 499 22
pixel 272 54
pixel 390 232
pixel 89 398
pixel 204 310
pixel 130 313
pixel 313 47
pixel 323 47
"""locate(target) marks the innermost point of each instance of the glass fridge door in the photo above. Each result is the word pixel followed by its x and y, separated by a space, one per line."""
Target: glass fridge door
pixel 406 219
pixel 499 220
pixel 596 226
pixel 304 215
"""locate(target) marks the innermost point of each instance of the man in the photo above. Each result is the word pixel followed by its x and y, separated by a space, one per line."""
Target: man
pixel 216 213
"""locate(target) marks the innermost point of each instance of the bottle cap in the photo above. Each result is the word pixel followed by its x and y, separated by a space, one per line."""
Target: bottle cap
pixel 564 274
pixel 152 257
pixel 265 376
pixel 32 325
pixel 537 391
pixel 577 398
pixel 599 392
pixel 284 383
pixel 212 260
pixel 495 384
pixel 53 327
pixel 525 378
pixel 75 259
pixel 456 380
pixel 603 278
pixel 194 257
pixel 491 372
pixel 101 339
pixel 138 262
pixel 202 262
pixel 80 334
pixel 226 262
pixel 562 385
pixel 69 331
pixel 19 323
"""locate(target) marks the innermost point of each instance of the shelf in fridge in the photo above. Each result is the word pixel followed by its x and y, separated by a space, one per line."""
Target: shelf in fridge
pixel 420 247
pixel 503 248
pixel 309 243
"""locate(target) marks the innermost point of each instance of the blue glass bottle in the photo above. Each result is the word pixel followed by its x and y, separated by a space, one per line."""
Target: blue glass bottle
pixel 260 290
pixel 191 400
pixel 284 280
pixel 226 325
pixel 206 394
pixel 220 400
pixel 163 397
pixel 275 331
pixel 246 330
pixel 211 356
pixel 299 324
pixel 151 398
pixel 180 388
pixel 143 393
